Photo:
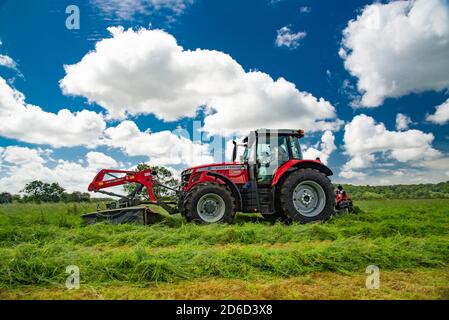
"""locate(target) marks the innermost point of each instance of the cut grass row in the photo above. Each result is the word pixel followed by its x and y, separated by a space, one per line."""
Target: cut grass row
pixel 410 219
pixel 415 284
pixel 31 264
pixel 37 243
pixel 159 236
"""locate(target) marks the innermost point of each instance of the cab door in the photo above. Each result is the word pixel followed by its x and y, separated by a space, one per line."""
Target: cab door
pixel 271 152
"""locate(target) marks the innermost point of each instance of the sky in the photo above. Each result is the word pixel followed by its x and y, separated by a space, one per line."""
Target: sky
pixel 93 84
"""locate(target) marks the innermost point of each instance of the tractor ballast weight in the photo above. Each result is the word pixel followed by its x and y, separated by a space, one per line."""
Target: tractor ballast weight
pixel 272 178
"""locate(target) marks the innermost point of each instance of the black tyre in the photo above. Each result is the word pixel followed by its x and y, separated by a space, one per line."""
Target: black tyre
pixel 277 216
pixel 307 195
pixel 209 203
pixel 272 218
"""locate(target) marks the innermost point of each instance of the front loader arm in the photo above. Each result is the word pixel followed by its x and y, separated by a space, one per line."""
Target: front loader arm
pixel 108 178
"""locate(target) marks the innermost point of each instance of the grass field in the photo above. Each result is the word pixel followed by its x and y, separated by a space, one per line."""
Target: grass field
pixel 407 239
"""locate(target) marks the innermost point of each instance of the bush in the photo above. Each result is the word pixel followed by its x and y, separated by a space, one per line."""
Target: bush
pixel 5 197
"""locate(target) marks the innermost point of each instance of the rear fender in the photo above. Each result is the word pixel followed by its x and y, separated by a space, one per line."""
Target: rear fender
pixel 294 165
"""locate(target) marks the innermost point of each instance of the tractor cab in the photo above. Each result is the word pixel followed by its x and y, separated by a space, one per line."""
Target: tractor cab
pixel 267 150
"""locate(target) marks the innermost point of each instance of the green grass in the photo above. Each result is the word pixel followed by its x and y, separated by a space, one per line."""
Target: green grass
pixel 37 242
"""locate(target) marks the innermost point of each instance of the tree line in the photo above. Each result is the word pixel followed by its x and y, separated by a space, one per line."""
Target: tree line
pixel 38 191
pixel 414 191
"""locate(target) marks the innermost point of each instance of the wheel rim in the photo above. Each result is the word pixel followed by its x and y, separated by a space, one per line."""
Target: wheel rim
pixel 211 207
pixel 309 198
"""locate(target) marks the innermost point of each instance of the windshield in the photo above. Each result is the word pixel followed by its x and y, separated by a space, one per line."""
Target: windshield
pixel 295 147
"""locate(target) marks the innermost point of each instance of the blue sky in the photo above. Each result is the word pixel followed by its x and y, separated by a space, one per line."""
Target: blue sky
pixel 380 76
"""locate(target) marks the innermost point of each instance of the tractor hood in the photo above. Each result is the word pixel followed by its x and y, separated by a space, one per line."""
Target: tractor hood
pixel 215 167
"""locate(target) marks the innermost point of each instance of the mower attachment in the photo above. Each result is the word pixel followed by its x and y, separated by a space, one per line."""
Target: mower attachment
pixel 140 215
pixel 127 210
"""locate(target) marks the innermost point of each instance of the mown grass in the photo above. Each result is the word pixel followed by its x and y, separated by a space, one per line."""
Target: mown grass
pixel 37 243
pixel 420 284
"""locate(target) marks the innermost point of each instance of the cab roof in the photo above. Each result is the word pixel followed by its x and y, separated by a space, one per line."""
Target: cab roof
pixel 284 132
pixel 279 132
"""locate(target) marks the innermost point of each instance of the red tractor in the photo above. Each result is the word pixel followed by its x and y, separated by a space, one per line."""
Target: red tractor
pixel 271 178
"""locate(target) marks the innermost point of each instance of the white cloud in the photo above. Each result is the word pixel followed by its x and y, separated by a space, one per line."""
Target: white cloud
pixel 22 165
pixel 273 105
pixel 275 2
pixel 29 123
pixel 7 62
pixel 146 71
pixel 403 121
pixel 369 143
pixel 286 38
pixel 128 9
pixel 424 171
pixel 326 148
pixel 441 115
pixel 98 160
pixel 396 48
pixel 408 175
pixel 162 148
pixel 21 155
pixel 351 174
pixel 436 164
pixel 156 75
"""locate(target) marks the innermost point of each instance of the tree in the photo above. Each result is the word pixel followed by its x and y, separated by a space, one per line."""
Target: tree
pixel 16 198
pixel 164 176
pixel 85 197
pixel 39 191
pixel 5 197
pixel 76 197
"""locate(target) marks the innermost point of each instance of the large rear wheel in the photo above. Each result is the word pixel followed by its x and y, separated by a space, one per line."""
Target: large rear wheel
pixel 307 195
pixel 209 203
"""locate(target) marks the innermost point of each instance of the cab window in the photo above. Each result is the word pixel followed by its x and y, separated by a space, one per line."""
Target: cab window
pixel 295 148
pixel 271 154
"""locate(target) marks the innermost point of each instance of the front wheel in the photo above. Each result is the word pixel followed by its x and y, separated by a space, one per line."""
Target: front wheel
pixel 307 195
pixel 209 203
